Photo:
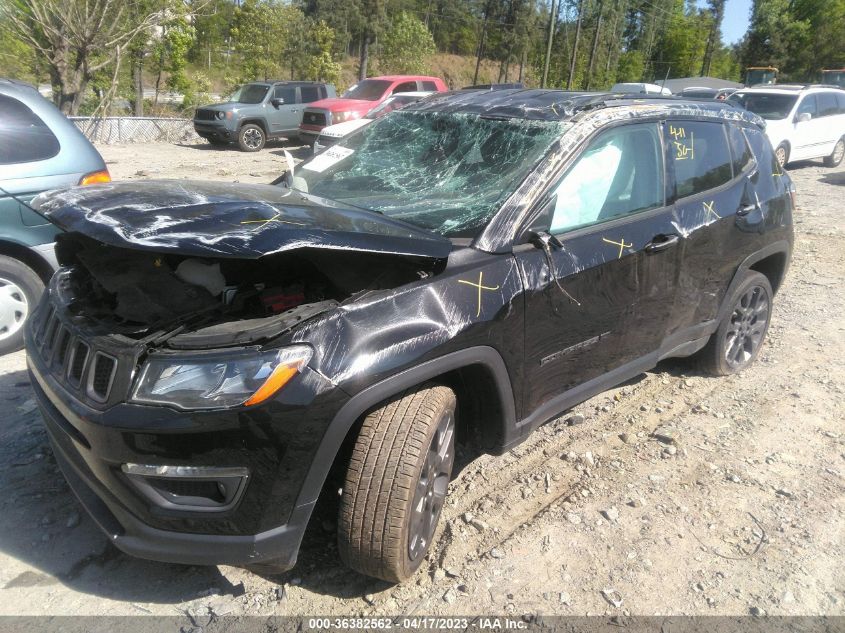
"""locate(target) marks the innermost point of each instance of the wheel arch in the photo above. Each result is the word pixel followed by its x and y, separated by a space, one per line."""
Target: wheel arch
pixel 260 122
pixel 772 261
pixel 478 374
pixel 29 257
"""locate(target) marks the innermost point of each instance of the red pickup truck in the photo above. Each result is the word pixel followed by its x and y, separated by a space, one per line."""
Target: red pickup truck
pixel 360 99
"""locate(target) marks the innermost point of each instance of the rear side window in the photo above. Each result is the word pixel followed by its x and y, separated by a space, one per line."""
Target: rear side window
pixel 286 93
pixel 827 104
pixel 620 173
pixel 699 154
pixel 23 136
pixel 767 177
pixel 429 85
pixel 407 86
pixel 740 152
pixel 309 93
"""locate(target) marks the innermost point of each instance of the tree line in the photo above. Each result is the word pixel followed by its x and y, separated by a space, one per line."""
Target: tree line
pixel 97 50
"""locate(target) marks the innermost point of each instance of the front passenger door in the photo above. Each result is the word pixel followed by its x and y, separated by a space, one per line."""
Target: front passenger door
pixel 285 116
pixel 600 287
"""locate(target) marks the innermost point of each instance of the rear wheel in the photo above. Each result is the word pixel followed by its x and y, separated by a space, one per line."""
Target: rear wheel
pixel 836 155
pixel 251 138
pixel 736 343
pixel 782 154
pixel 20 289
pixel 396 483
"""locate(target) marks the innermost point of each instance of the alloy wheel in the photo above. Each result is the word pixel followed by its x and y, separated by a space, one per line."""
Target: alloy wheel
pixel 252 138
pixel 13 308
pixel 430 493
pixel 838 152
pixel 747 329
pixel 780 155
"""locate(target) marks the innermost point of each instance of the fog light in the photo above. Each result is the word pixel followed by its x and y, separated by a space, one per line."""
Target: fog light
pixel 189 488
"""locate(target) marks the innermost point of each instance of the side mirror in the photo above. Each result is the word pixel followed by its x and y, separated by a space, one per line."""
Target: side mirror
pixel 803 117
pixel 277 101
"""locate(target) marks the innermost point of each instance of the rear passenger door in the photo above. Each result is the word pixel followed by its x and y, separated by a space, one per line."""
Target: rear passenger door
pixel 711 190
pixel 599 295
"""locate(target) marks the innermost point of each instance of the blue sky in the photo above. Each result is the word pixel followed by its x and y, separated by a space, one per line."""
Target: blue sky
pixel 735 23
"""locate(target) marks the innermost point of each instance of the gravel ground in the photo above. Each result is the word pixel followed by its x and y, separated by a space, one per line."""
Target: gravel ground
pixel 673 494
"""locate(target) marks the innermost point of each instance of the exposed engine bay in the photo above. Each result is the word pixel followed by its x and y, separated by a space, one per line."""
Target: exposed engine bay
pixel 198 303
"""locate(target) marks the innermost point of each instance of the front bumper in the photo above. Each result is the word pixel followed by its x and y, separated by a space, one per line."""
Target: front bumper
pixel 277 444
pixel 209 130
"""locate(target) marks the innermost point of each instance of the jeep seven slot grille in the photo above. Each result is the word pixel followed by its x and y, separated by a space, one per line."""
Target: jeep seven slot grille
pixel 73 362
pixel 204 115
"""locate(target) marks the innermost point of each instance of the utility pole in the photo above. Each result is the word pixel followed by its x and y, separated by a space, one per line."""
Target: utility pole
pixel 552 22
pixel 481 43
pixel 589 78
pixel 575 47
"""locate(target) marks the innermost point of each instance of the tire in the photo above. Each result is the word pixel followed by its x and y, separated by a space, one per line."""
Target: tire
pixel 402 459
pixel 742 332
pixel 782 155
pixel 20 290
pixel 836 155
pixel 251 138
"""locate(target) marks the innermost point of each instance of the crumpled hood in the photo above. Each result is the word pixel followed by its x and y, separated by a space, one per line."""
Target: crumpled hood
pixel 211 219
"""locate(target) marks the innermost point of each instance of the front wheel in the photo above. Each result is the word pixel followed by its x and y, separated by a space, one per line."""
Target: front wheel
pixel 836 155
pixel 251 138
pixel 737 341
pixel 396 483
pixel 782 155
pixel 20 289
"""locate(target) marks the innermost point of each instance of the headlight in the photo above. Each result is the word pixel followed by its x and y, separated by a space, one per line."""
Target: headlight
pixel 220 114
pixel 215 380
pixel 340 117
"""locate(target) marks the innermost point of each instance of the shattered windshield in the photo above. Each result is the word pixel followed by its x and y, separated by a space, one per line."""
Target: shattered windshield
pixel 446 172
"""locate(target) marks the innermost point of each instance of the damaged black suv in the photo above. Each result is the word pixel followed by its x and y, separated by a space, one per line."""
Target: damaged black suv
pixel 470 266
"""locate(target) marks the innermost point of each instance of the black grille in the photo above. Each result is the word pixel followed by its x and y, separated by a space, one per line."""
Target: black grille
pixel 102 375
pixel 204 115
pixel 74 362
pixel 314 118
pixel 77 363
pixel 62 347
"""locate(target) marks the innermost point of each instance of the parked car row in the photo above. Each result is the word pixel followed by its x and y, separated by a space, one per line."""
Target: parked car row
pixel 260 111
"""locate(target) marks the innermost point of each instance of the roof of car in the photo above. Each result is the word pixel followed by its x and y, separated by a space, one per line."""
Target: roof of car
pixel 16 85
pixel 788 89
pixel 400 77
pixel 560 105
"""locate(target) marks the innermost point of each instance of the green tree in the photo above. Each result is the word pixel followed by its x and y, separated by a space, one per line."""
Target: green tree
pixel 406 46
pixel 321 64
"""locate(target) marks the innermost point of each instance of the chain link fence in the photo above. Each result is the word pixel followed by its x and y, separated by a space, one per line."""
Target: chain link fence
pixel 124 129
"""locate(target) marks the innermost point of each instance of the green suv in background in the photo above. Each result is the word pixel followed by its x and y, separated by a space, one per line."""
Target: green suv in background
pixel 259 111
pixel 40 149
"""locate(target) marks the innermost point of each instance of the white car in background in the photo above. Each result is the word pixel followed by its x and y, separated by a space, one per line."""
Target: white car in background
pixel 640 88
pixel 331 134
pixel 802 122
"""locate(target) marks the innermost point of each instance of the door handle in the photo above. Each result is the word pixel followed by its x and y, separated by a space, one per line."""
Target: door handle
pixel 746 209
pixel 660 243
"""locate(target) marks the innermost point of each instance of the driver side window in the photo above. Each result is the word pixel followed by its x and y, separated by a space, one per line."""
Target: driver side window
pixel 620 173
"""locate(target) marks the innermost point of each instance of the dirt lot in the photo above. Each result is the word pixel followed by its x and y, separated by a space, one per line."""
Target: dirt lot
pixel 674 494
